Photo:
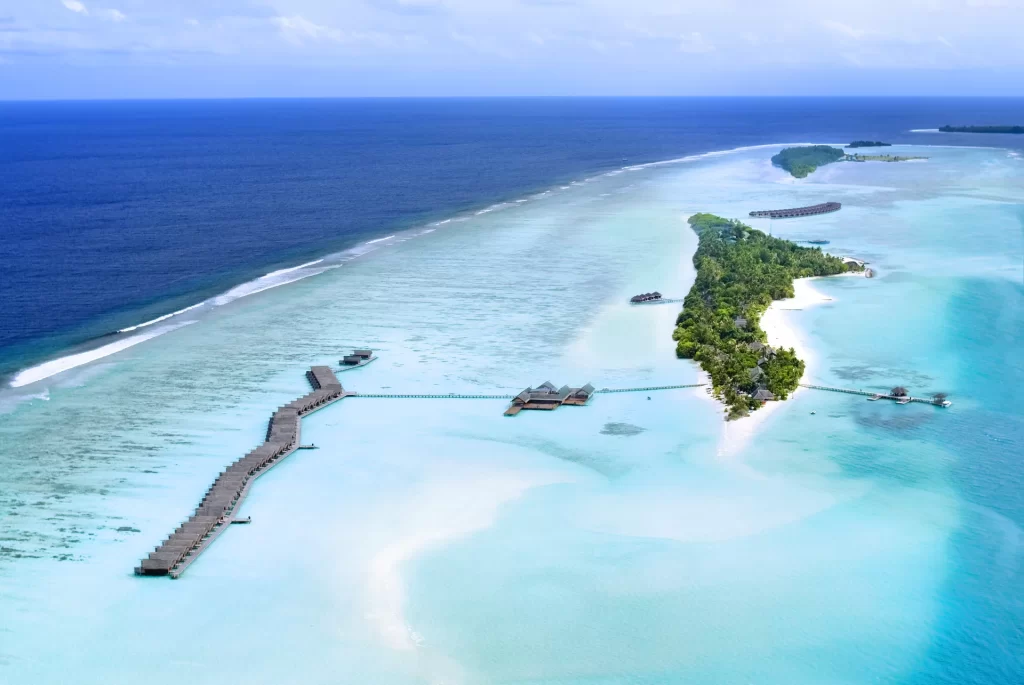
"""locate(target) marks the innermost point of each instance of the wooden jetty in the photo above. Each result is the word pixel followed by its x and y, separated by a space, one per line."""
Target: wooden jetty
pixel 823 208
pixel 215 511
pixel 899 398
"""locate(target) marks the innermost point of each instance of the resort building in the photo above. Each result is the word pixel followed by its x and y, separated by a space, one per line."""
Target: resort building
pixel 823 208
pixel 547 397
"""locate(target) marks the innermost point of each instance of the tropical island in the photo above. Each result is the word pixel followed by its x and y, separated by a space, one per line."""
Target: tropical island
pixel 739 272
pixel 802 161
pixel 982 129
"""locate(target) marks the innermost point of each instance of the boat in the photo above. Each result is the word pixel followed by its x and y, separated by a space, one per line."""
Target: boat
pixel 903 400
pixel 874 398
pixel 645 297
pixel 357 359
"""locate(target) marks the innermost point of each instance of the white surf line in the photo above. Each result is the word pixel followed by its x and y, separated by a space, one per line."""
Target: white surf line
pixel 158 319
pixel 62 364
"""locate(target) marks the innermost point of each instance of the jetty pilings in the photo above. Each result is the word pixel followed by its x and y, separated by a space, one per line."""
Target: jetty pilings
pixel 214 513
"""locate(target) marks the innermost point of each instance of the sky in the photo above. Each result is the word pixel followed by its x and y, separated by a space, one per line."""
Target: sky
pixel 70 49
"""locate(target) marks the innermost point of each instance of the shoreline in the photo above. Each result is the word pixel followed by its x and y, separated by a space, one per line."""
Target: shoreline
pixel 43 368
pixel 782 331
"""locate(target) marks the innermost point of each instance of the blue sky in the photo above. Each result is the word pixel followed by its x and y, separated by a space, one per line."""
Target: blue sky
pixel 269 48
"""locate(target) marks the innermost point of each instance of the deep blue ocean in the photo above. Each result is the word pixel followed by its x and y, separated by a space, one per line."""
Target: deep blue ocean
pixel 112 213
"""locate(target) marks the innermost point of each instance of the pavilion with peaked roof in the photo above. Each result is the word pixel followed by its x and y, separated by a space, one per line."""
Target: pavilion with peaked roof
pixel 546 396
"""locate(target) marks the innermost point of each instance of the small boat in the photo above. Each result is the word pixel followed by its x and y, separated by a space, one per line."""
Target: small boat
pixel 645 297
pixel 247 519
pixel 356 359
pixel 903 400
pixel 874 398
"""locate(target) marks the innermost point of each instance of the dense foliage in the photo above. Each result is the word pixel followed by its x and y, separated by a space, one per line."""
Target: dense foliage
pixel 801 161
pixel 868 143
pixel 739 272
pixel 982 129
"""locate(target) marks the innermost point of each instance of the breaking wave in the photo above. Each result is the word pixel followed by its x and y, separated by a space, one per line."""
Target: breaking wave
pixel 280 277
pixel 71 361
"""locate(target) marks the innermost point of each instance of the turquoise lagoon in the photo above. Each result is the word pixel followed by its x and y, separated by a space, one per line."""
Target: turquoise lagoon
pixel 436 541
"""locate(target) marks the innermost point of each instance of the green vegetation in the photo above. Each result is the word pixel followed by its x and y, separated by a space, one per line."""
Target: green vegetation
pixel 801 161
pixel 739 272
pixel 868 143
pixel 982 129
pixel 881 158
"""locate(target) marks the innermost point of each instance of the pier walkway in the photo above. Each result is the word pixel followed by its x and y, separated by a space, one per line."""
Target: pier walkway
pixel 904 399
pixel 216 510
pixel 455 396
pixel 214 513
pixel 823 208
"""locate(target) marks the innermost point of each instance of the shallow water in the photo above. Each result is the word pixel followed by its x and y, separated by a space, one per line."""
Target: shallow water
pixel 440 542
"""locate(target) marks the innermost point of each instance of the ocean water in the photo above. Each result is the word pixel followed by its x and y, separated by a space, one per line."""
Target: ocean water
pixel 440 542
pixel 118 213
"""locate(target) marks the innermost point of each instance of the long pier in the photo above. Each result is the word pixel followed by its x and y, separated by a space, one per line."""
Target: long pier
pixel 823 208
pixel 216 510
pixel 214 514
pixel 906 399
pixel 455 396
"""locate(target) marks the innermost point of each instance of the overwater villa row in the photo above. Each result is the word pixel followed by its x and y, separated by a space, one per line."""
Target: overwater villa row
pixel 214 512
pixel 546 397
pixel 823 208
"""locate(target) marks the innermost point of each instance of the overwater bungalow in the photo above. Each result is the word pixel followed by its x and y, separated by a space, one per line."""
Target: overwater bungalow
pixel 357 358
pixel 645 297
pixel 547 397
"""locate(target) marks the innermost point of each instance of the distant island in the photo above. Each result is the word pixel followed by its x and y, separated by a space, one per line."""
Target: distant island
pixel 801 161
pixel 982 129
pixel 739 272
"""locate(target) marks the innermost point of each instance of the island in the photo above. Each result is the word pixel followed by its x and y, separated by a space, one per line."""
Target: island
pixel 801 161
pixel 739 272
pixel 982 129
pixel 869 143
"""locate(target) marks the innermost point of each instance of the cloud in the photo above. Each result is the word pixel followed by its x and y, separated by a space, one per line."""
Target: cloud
pixel 843 29
pixel 112 15
pixel 300 30
pixel 192 22
pixel 76 6
pixel 695 43
pixel 409 7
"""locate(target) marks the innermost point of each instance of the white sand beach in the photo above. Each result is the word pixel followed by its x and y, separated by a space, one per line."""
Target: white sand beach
pixel 779 323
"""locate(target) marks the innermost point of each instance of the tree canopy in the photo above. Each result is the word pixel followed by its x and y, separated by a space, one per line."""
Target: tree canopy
pixel 739 272
pixel 801 161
